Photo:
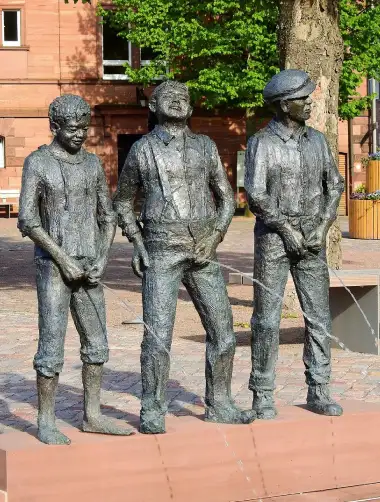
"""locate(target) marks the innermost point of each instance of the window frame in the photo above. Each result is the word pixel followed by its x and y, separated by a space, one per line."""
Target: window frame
pixel 146 62
pixel 17 43
pixel 114 62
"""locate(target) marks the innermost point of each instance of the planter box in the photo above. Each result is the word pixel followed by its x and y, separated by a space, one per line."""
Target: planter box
pixel 373 176
pixel 364 219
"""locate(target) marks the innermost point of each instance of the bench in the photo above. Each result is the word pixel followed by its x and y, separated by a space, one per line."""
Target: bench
pixel 8 200
pixel 348 323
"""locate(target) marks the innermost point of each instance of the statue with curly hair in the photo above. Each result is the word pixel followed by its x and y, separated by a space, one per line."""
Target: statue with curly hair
pixel 66 210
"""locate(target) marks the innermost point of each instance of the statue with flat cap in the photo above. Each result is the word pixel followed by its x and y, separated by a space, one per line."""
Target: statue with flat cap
pixel 65 208
pixel 293 188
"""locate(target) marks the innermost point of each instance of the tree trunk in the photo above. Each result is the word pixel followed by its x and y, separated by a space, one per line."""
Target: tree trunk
pixel 310 40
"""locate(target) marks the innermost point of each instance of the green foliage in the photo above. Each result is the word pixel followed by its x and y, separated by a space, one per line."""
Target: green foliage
pixel 224 49
pixel 360 28
pixel 360 188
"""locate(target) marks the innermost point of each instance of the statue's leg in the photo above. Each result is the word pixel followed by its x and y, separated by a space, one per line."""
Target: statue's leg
pixel 47 430
pixel 312 283
pixel 208 291
pixel 53 306
pixel 160 293
pixel 88 312
pixel 93 420
pixel 271 268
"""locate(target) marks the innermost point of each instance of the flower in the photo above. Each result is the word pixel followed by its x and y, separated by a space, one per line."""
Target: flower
pixel 365 196
pixel 374 156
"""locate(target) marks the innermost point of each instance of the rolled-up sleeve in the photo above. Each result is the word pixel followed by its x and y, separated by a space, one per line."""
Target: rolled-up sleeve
pixel 222 190
pixel 105 212
pixel 257 160
pixel 128 186
pixel 29 215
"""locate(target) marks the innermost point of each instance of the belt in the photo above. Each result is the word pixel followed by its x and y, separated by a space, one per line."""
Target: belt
pixel 196 228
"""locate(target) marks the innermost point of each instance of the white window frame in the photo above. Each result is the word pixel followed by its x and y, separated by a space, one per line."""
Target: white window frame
pixel 16 43
pixel 115 62
pixel 146 62
pixel 2 152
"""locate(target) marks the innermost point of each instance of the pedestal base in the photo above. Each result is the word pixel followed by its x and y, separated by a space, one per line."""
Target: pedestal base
pixel 298 457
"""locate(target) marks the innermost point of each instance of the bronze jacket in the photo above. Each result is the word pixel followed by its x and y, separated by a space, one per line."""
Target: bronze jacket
pixel 179 186
pixel 291 178
pixel 70 202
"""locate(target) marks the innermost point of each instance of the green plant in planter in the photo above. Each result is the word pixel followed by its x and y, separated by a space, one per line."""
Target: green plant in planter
pixel 360 188
pixel 371 156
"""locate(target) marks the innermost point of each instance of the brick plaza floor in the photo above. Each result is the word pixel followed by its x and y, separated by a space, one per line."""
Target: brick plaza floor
pixel 355 376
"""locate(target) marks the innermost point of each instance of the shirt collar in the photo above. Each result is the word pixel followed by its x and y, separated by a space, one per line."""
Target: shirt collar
pixel 166 137
pixel 284 132
pixel 62 156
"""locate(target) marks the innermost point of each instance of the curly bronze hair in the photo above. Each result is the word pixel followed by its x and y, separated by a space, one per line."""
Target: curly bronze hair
pixel 68 107
pixel 167 83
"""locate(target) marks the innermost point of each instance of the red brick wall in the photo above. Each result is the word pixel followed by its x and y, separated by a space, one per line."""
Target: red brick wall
pixel 22 136
pixel 229 134
pixel 361 141
pixel 60 53
pixel 361 145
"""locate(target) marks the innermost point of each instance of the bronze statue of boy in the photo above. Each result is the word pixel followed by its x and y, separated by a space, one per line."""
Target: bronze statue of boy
pixel 293 188
pixel 189 205
pixel 66 210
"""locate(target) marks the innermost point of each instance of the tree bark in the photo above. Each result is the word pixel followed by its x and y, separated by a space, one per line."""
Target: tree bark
pixel 309 39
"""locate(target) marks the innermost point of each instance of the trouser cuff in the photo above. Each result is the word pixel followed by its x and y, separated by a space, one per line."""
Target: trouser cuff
pixel 99 357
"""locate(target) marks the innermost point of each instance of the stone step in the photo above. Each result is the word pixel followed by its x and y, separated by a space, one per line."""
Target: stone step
pixel 298 453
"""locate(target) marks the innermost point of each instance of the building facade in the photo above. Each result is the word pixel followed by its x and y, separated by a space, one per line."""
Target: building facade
pixel 49 48
pixel 361 139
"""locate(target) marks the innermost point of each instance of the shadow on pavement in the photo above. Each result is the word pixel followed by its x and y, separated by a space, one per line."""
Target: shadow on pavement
pixel 288 336
pixel 17 269
pixel 69 404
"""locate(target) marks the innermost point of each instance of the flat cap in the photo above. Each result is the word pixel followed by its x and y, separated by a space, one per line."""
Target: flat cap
pixel 288 84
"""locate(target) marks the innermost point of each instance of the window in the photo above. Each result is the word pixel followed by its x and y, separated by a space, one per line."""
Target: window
pixel 116 52
pixel 146 55
pixel 11 31
pixel 2 152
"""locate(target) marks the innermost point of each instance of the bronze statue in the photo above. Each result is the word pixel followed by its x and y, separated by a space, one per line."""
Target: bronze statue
pixel 188 207
pixel 66 210
pixel 293 188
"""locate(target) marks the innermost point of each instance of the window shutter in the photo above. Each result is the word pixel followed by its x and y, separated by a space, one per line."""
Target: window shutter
pixel 342 211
